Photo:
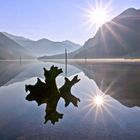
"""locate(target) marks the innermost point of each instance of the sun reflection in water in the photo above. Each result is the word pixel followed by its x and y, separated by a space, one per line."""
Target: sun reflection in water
pixel 98 100
pixel 97 105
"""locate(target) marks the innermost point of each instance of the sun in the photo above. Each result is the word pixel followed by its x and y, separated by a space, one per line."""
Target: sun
pixel 97 14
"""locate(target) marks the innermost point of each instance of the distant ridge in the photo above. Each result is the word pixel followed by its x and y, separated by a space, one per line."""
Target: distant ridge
pixel 9 49
pixel 44 46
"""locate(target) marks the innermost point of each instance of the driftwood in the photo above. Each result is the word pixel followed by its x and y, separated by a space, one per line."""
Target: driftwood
pixel 48 93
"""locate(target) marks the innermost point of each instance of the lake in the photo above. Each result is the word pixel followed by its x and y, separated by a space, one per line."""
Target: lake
pixel 117 119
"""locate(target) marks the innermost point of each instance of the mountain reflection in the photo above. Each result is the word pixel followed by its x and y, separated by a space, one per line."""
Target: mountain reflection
pixel 121 81
pixel 11 72
pixel 99 117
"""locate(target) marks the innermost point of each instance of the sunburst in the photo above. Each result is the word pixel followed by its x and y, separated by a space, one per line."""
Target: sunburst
pixel 97 14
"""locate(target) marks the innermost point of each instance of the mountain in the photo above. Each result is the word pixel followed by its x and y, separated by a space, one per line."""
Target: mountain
pixel 119 38
pixel 44 46
pixel 19 39
pixel 9 49
pixel 47 47
pixel 115 39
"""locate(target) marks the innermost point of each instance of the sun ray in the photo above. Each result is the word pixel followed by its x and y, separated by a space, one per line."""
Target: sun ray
pixel 111 115
pixel 98 103
pixel 89 111
pixel 122 42
pixel 103 36
pixel 97 14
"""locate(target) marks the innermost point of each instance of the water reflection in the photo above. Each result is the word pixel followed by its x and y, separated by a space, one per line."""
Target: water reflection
pixel 20 119
pixel 121 81
pixel 11 72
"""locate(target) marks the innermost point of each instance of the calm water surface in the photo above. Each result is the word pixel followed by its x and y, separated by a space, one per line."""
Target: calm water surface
pixel 117 119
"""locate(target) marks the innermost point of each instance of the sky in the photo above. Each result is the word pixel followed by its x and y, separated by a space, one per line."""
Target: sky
pixel 56 20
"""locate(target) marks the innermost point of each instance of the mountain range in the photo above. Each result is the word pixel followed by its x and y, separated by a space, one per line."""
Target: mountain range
pixel 14 47
pixel 43 46
pixel 9 49
pixel 118 38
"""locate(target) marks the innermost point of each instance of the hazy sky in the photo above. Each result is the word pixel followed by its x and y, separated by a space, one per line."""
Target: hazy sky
pixel 53 19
